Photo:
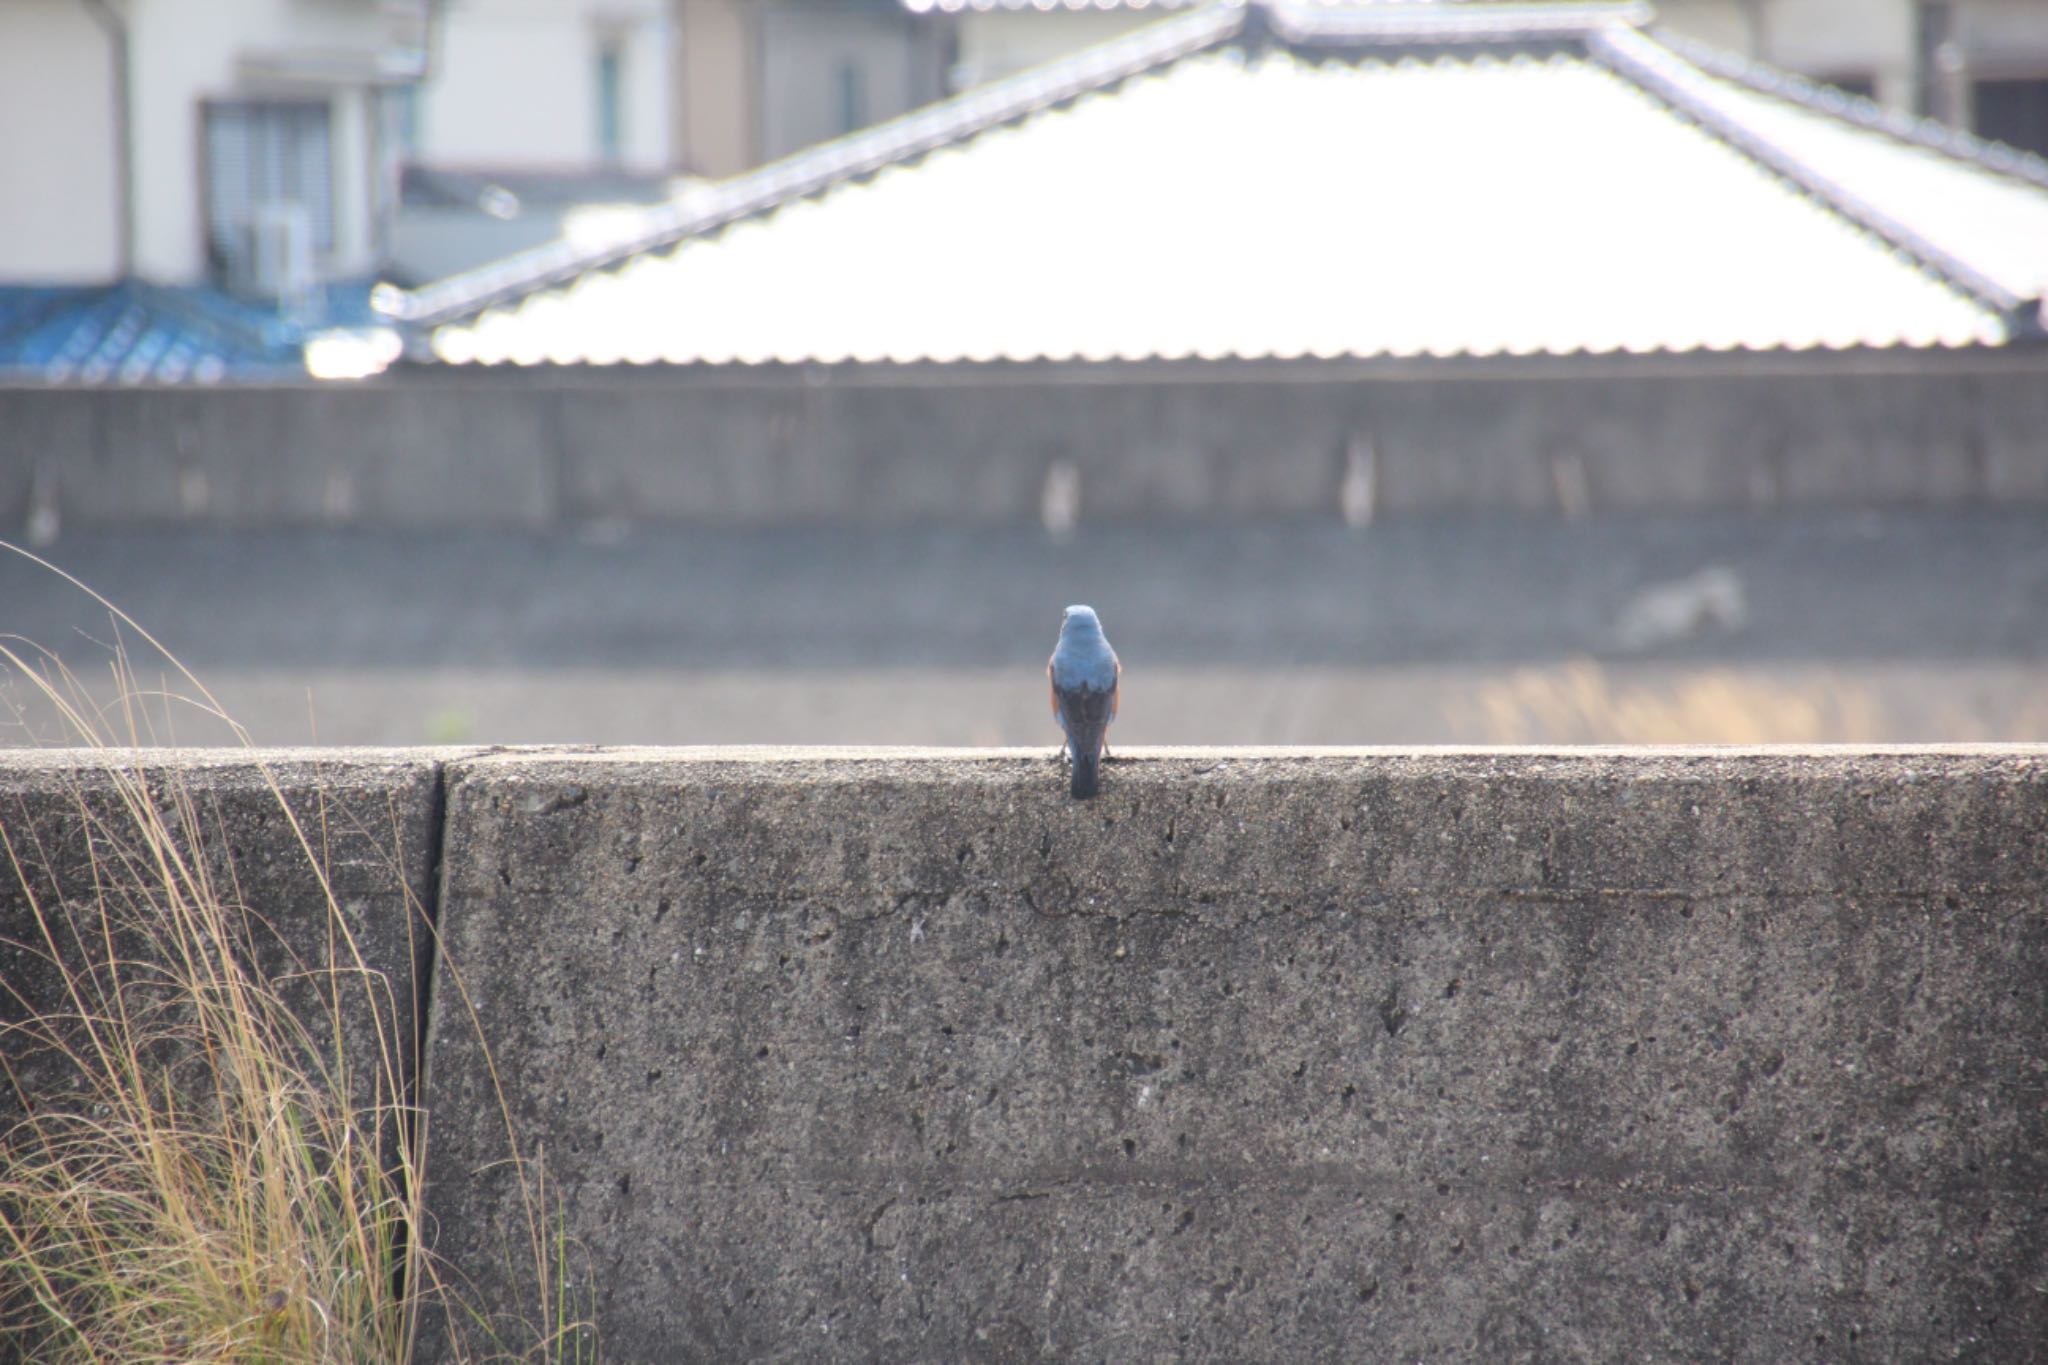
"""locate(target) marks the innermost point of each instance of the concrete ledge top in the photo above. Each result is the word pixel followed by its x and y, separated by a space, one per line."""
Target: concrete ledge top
pixel 226 757
pixel 1142 754
pixel 334 768
pixel 1138 769
pixel 44 758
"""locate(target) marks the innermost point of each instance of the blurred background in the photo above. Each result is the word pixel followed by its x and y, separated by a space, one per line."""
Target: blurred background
pixel 721 371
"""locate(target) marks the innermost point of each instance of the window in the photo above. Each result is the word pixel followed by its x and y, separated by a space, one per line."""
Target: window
pixel 2013 111
pixel 610 101
pixel 261 153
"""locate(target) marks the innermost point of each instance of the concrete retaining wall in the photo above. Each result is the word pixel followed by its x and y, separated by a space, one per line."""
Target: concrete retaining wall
pixel 69 828
pixel 1393 1055
pixel 520 448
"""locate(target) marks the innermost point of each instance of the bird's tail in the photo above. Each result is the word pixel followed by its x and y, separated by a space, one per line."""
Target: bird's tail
pixel 1087 774
pixel 1084 715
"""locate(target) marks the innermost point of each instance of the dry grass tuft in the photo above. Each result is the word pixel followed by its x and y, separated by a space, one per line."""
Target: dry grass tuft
pixel 1581 703
pixel 200 1169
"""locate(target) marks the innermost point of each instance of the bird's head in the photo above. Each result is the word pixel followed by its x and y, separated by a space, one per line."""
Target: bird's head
pixel 1079 620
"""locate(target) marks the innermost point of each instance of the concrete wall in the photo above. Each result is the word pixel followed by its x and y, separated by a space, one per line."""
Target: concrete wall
pixel 1594 1055
pixel 523 448
pixel 1653 1054
pixel 375 816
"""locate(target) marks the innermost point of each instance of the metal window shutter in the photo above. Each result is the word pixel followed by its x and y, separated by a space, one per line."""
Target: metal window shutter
pixel 257 153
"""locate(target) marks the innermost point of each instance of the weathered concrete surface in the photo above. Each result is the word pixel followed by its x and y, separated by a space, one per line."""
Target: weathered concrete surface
pixel 273 456
pixel 879 444
pixel 372 817
pixel 1372 1055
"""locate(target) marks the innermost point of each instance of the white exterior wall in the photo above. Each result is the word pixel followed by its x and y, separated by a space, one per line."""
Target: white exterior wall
pixel 649 41
pixel 517 84
pixel 59 207
pixel 185 54
pixel 353 143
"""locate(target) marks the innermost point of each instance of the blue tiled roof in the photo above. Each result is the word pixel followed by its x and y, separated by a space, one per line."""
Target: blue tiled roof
pixel 134 332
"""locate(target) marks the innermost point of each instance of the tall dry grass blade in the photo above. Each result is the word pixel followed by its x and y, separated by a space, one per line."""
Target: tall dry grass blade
pixel 226 1173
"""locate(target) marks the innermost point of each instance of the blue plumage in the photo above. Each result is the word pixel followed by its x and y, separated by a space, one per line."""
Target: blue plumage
pixel 1085 674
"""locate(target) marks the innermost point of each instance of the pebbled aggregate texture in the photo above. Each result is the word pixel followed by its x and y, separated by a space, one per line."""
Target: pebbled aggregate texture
pixel 1373 1055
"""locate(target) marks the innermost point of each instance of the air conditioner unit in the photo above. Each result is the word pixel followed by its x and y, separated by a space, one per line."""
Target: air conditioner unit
pixel 275 260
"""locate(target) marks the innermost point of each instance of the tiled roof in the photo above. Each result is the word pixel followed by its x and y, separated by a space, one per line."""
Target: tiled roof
pixel 134 332
pixel 1276 181
pixel 1977 219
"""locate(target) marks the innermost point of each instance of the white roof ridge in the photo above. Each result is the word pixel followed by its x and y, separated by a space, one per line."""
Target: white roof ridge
pixel 1676 80
pixel 1931 134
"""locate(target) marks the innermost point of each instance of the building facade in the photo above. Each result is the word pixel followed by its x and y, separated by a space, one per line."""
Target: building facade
pixel 1975 64
pixel 758 79
pixel 179 142
pixel 547 85
pixel 194 189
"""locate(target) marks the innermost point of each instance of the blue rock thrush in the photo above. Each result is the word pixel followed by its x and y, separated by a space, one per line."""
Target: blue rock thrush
pixel 1084 673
